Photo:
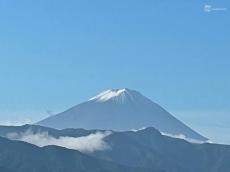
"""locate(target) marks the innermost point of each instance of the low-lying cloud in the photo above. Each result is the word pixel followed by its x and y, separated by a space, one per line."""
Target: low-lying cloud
pixel 182 136
pixel 87 144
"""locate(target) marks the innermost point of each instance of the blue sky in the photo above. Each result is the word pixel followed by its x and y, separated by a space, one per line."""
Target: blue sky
pixel 56 54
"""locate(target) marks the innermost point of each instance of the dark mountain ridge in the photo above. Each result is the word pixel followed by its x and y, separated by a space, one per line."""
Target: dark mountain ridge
pixel 146 148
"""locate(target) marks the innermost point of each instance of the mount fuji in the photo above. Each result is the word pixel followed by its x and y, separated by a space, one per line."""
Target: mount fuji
pixel 120 109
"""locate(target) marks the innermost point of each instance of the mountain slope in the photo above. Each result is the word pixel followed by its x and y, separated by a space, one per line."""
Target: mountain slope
pixel 23 157
pixel 120 109
pixel 149 148
pixel 146 148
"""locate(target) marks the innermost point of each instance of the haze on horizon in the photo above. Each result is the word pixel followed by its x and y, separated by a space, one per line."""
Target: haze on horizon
pixel 54 55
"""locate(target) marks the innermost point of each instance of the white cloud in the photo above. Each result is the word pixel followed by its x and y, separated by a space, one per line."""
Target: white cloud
pixel 181 136
pixel 142 128
pixel 212 124
pixel 86 144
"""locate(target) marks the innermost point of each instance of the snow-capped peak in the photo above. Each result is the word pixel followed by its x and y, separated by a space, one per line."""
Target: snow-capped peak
pixel 122 109
pixel 117 94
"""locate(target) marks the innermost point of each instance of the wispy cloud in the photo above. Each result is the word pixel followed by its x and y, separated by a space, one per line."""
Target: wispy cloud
pixel 211 124
pixel 181 136
pixel 139 129
pixel 87 144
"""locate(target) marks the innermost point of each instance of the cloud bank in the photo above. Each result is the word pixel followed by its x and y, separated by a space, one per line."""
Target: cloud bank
pixel 85 144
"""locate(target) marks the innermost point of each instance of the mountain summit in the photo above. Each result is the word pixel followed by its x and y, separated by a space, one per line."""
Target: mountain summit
pixel 120 109
pixel 121 96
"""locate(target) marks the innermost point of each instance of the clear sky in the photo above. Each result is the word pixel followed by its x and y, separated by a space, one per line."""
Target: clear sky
pixel 55 54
